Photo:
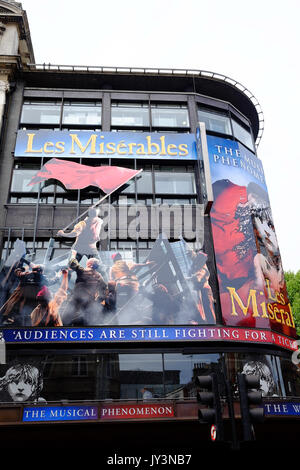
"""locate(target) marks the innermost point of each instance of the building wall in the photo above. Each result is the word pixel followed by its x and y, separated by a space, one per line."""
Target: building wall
pixel 96 362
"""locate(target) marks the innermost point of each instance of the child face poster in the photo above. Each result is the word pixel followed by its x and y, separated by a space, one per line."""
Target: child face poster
pixel 251 278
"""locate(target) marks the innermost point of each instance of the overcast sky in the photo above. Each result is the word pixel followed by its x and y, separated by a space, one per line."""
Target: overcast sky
pixel 256 43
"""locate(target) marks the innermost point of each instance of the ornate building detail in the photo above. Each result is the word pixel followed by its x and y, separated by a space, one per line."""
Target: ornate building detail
pixel 2 28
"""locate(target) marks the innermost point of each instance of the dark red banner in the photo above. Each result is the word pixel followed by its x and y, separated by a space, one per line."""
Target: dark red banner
pixel 77 176
pixel 134 411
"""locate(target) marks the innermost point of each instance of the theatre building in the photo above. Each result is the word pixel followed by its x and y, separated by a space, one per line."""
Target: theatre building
pixel 138 253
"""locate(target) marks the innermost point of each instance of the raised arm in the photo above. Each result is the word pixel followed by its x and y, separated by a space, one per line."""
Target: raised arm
pixel 75 232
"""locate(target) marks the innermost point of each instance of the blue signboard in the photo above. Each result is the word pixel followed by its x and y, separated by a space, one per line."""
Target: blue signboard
pixel 230 160
pixel 59 413
pixel 145 334
pixel 282 409
pixel 90 144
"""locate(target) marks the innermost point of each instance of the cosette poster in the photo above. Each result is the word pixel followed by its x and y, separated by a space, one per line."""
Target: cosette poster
pixel 251 278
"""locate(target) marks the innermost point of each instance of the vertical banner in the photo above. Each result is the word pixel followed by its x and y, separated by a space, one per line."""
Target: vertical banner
pixel 251 278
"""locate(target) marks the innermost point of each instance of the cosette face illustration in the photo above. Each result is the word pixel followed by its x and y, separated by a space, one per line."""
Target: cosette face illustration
pixel 20 390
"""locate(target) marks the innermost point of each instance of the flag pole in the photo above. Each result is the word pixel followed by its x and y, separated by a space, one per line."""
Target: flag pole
pixel 100 200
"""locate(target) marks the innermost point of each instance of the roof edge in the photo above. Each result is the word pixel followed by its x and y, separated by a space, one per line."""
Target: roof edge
pixel 161 72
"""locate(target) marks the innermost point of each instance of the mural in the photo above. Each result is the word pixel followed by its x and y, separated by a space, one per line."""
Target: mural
pixel 90 287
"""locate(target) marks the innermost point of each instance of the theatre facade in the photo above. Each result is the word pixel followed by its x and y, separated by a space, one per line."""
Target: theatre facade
pixel 138 252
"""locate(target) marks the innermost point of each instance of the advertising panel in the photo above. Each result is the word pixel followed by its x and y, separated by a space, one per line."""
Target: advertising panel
pixel 107 412
pixel 87 286
pixel 251 278
pixel 169 287
pixel 88 144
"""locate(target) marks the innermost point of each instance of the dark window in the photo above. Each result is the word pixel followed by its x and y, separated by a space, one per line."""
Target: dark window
pixel 118 375
pixel 79 366
pixel 181 371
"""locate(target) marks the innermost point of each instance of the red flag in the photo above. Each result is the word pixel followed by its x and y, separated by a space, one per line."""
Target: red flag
pixel 76 176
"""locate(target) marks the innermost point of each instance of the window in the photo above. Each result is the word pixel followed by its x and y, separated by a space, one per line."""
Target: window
pixel 79 113
pixel 22 192
pixel 70 113
pixel 181 371
pixel 89 197
pixel 129 188
pixel 277 376
pixel 115 376
pixel 167 180
pixel 180 200
pixel 144 183
pixel 242 134
pixel 216 122
pixel 174 182
pixel 123 375
pixel 70 197
pixel 169 115
pixel 21 179
pixel 79 366
pixel 130 114
pixel 140 372
pixel 41 112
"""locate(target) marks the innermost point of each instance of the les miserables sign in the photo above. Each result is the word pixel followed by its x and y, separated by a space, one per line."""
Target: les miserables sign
pixel 45 143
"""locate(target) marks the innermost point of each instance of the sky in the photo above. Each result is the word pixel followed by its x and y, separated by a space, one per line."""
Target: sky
pixel 255 43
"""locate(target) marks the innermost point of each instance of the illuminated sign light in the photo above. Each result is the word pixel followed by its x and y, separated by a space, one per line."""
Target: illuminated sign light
pixel 147 334
pixel 213 432
pixel 89 144
pixel 59 413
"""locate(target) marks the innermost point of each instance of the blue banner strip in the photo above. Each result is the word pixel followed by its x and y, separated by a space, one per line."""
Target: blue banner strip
pixel 59 413
pixel 106 334
pixel 134 334
pixel 282 409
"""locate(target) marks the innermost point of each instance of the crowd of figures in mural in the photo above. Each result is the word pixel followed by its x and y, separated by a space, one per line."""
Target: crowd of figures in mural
pixel 91 287
pixel 172 285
